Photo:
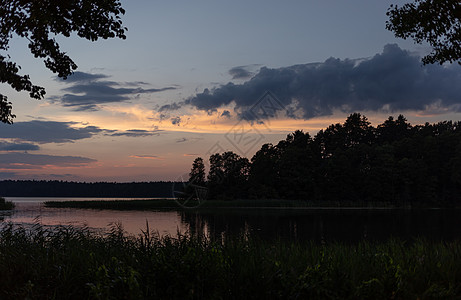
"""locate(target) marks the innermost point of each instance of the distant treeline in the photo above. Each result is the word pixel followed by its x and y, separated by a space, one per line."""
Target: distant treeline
pixel 394 162
pixel 54 188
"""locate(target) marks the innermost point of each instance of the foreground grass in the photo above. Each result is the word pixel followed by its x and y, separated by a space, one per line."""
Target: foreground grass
pixel 70 263
pixel 171 204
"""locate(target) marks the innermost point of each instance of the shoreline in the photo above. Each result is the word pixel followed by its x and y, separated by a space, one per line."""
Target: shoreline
pixel 171 204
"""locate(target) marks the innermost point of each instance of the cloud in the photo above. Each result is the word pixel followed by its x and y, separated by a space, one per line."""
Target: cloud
pixel 6 146
pixel 146 156
pixel 181 140
pixel 17 160
pixel 240 72
pixel 48 131
pixel 82 76
pixel 190 154
pixel 23 176
pixel 226 114
pixel 176 120
pixel 137 133
pixel 166 107
pixel 43 132
pixel 87 91
pixel 392 80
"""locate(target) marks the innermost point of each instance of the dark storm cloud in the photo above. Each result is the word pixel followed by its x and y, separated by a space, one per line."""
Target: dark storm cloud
pixel 48 131
pixel 17 160
pixel 87 91
pixel 6 146
pixel 393 80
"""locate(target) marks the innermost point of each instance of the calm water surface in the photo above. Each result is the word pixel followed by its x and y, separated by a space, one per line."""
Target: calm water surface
pixel 345 225
pixel 29 211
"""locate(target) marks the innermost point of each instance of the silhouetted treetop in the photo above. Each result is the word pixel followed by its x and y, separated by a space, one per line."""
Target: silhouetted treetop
pixel 394 162
pixel 437 22
pixel 39 22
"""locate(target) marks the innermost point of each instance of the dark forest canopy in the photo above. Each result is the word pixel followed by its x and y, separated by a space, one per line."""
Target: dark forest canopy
pixel 55 188
pixel 394 162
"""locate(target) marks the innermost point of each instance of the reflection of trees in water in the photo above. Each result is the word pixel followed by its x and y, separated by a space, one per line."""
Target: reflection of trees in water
pixel 328 225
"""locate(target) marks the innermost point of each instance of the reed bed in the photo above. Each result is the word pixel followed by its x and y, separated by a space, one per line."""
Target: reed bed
pixel 76 263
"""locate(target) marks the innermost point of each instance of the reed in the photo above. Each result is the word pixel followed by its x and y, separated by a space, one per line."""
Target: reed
pixel 72 263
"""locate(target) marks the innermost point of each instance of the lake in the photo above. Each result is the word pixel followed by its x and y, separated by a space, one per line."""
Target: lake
pixel 328 224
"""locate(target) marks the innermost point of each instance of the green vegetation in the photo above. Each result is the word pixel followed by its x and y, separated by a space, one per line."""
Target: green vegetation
pixel 70 263
pixel 6 205
pixel 394 163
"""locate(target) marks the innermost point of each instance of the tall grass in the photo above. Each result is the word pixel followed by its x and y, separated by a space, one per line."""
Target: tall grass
pixel 70 263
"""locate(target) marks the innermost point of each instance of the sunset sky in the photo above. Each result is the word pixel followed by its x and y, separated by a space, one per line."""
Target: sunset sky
pixel 192 76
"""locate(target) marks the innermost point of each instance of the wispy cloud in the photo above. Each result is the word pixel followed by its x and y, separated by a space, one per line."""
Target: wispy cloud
pixel 43 132
pixel 137 133
pixel 147 157
pixel 17 160
pixel 48 131
pixel 7 146
pixel 87 91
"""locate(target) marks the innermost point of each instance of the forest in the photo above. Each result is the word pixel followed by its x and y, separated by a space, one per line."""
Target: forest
pixel 394 162
pixel 55 188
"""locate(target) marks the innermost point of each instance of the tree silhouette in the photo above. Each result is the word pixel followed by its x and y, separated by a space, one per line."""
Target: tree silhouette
pixel 350 162
pixel 39 22
pixel 437 22
pixel 228 175
pixel 197 173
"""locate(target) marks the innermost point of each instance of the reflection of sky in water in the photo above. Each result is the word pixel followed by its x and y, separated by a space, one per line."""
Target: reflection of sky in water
pixel 31 210
pixel 328 224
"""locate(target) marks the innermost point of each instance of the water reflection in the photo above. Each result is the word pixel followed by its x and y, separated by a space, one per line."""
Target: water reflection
pixel 32 210
pixel 346 225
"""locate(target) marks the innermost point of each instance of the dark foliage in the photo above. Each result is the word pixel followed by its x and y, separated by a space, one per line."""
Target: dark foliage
pixel 54 188
pixel 437 22
pixel 395 162
pixel 40 22
pixel 69 263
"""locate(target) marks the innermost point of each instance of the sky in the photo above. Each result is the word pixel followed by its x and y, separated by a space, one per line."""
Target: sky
pixel 198 77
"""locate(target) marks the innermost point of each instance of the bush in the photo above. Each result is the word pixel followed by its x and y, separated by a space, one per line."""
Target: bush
pixel 6 205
